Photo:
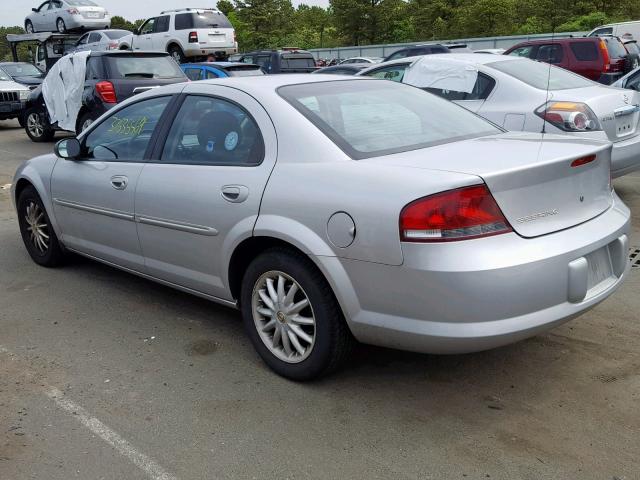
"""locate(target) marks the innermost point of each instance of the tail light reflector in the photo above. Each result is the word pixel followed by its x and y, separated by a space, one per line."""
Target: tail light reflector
pixel 193 37
pixel 107 92
pixel 578 162
pixel 461 214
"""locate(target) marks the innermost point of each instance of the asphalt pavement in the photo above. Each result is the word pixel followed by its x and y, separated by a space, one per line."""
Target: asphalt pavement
pixel 104 375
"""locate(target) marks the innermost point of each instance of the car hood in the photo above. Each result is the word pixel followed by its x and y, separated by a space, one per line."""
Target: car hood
pixel 27 80
pixel 531 176
pixel 10 86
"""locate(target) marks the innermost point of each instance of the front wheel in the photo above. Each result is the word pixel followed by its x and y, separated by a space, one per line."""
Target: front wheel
pixel 28 27
pixel 35 227
pixel 60 25
pixel 292 316
pixel 37 126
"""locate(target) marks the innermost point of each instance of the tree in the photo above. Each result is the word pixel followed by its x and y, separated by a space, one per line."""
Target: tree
pixel 225 6
pixel 265 23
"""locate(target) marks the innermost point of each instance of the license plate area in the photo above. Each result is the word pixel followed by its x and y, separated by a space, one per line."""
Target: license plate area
pixel 600 271
pixel 217 37
pixel 626 122
pixel 93 15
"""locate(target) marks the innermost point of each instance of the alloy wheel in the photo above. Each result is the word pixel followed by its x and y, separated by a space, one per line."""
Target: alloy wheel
pixel 86 124
pixel 37 227
pixel 61 26
pixel 283 316
pixel 34 124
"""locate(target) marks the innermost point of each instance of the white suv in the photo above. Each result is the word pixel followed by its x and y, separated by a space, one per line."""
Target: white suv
pixel 185 33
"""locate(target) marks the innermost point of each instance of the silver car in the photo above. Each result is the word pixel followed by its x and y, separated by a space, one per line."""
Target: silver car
pixel 64 15
pixel 330 208
pixel 512 92
pixel 100 40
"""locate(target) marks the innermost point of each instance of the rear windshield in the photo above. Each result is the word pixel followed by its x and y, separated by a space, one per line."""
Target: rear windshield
pixel 115 34
pixel 369 118
pixel 540 75
pixel 22 69
pixel 297 62
pixel 244 70
pixel 185 21
pixel 143 67
pixel 616 48
pixel 584 51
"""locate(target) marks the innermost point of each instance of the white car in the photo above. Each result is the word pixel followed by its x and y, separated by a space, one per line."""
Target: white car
pixel 187 33
pixel 13 97
pixel 361 60
pixel 622 29
pixel 519 94
pixel 64 15
pixel 100 40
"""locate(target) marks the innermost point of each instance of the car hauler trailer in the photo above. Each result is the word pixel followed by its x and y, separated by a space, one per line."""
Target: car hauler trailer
pixel 49 47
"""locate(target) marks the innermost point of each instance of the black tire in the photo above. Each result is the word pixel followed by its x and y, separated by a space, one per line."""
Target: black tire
pixel 176 53
pixel 43 133
pixel 81 124
pixel 21 120
pixel 28 27
pixel 60 29
pixel 51 256
pixel 333 340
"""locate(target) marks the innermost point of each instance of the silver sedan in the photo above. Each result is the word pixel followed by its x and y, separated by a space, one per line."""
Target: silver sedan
pixel 63 15
pixel 330 209
pixel 523 95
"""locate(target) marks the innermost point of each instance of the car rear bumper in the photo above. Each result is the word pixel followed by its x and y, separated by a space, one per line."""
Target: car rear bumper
pixel 625 157
pixel 77 22
pixel 479 294
pixel 203 51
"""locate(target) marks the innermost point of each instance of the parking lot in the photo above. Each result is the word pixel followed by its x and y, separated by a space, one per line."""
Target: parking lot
pixel 159 384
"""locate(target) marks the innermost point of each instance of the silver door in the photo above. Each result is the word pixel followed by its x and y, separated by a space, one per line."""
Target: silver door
pixel 93 197
pixel 196 203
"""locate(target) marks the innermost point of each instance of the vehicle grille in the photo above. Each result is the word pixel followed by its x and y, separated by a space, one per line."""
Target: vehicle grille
pixel 9 96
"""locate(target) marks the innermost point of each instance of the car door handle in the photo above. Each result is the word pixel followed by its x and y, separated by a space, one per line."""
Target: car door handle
pixel 234 193
pixel 119 182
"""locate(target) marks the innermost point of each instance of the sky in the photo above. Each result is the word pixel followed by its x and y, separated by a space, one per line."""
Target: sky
pixel 15 11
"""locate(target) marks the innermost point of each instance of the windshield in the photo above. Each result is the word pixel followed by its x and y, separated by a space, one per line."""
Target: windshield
pixel 4 76
pixel 539 75
pixel 202 20
pixel 143 67
pixel 115 34
pixel 22 70
pixel 81 3
pixel 369 118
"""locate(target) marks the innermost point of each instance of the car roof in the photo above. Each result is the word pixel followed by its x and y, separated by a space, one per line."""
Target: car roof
pixel 127 53
pixel 273 82
pixel 558 40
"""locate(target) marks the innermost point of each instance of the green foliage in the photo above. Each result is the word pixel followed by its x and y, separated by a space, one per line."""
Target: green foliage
pixel 5 50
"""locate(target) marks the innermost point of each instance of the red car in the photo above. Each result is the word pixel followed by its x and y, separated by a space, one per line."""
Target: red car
pixel 601 59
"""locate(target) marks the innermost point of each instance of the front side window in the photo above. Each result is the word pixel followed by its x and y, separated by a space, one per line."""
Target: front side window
pixel 95 38
pixel 394 73
pixel 44 6
pixel 124 136
pixel 193 74
pixel 83 39
pixel 148 27
pixel 522 51
pixel 371 118
pixel 541 75
pixel 212 131
pixel 399 54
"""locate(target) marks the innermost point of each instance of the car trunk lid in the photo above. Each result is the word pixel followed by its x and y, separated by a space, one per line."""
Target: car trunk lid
pixel 533 181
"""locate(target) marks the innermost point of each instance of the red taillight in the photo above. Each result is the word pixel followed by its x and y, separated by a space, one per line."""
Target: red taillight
pixel 605 55
pixel 461 214
pixel 107 92
pixel 113 46
pixel 193 37
pixel 73 11
pixel 578 162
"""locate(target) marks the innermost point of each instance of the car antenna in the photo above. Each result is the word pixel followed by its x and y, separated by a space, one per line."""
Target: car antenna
pixel 546 100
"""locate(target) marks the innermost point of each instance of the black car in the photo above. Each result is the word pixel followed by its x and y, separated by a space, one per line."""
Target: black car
pixel 111 77
pixel 288 60
pixel 424 49
pixel 344 68
pixel 23 73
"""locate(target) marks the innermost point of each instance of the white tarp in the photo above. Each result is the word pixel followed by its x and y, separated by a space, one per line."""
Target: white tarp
pixel 62 89
pixel 443 73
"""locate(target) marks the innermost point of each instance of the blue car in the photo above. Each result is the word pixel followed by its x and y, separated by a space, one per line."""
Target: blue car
pixel 207 70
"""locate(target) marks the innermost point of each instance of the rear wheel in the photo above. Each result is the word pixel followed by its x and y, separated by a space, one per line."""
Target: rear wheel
pixel 84 122
pixel 35 227
pixel 28 27
pixel 60 25
pixel 37 127
pixel 177 54
pixel 292 316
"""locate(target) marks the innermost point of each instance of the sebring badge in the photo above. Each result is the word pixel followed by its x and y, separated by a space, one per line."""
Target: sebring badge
pixel 537 216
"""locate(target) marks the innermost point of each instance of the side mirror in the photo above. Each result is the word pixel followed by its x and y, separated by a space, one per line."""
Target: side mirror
pixel 68 148
pixel 34 9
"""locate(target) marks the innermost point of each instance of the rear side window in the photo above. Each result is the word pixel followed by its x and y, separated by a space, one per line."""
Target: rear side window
pixel 185 21
pixel 95 37
pixel 584 51
pixel 162 24
pixel 632 47
pixel 616 48
pixel 550 53
pixel 394 73
pixel 212 131
pixel 481 90
pixel 121 66
pixel 124 136
pixel 603 31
